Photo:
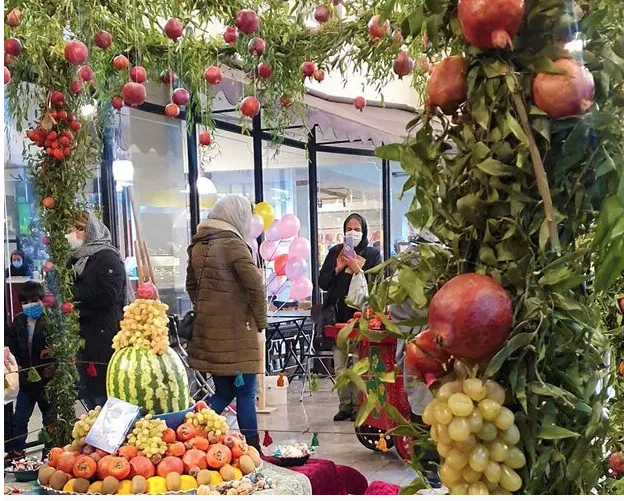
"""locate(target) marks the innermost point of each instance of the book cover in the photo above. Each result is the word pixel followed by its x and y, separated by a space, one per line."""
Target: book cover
pixel 112 425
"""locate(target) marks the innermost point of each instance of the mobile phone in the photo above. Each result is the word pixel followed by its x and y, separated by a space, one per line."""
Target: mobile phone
pixel 348 248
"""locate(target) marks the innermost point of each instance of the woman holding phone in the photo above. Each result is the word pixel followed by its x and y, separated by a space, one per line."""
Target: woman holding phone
pixel 341 264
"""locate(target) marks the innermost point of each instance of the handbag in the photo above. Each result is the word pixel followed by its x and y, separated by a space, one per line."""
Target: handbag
pixel 358 291
pixel 327 316
pixel 185 331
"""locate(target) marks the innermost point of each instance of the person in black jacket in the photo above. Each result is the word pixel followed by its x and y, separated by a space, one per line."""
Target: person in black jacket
pixel 26 340
pixel 19 265
pixel 99 294
pixel 335 278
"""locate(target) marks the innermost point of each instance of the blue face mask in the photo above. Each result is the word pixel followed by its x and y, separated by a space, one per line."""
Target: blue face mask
pixel 17 264
pixel 33 310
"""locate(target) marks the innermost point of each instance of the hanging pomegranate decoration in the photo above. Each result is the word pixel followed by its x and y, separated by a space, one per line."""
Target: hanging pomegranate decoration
pixel 256 46
pixel 307 69
pixel 319 75
pixel 321 14
pixel 403 64
pixel 378 29
pixel 57 98
pixel 359 103
pixel 103 39
pixel 86 74
pixel 205 139
pixel 174 29
pixel 120 63
pixel 48 300
pixel 490 24
pixel 250 106
pixel 247 21
pixel 76 52
pixel 117 102
pixel 265 70
pixel 448 87
pixel 423 357
pixel 471 316
pixel 13 47
pixel 14 18
pixel 133 94
pixel 213 75
pixel 168 77
pixel 561 96
pixel 138 74
pixel 76 86
pixel 67 307
pixel 172 110
pixel 285 101
pixel 230 35
pixel 181 96
pixel 7 75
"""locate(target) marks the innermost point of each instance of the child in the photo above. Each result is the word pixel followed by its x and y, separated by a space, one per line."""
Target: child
pixel 27 341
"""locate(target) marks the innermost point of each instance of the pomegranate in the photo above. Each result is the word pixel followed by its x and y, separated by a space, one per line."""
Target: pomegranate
pixel 138 74
pixel 448 87
pixel 181 96
pixel 7 75
pixel 120 63
pixel 117 102
pixel 285 101
pixel 133 94
pixel 376 30
pixel 172 110
pixel 307 68
pixel 247 21
pixel 148 290
pixel 103 39
pixel 86 74
pixel 359 103
pixel 265 70
pixel 250 106
pixel 14 18
pixel 256 46
pixel 616 462
pixel 13 47
pixel 230 35
pixel 57 98
pixel 168 77
pixel 490 24
pixel 213 75
pixel 471 316
pixel 76 52
pixel 561 96
pixel 319 75
pixel 403 64
pixel 321 14
pixel 174 29
pixel 205 139
pixel 67 307
pixel 47 266
pixel 8 59
pixel 397 38
pixel 48 300
pixel 76 86
pixel 424 356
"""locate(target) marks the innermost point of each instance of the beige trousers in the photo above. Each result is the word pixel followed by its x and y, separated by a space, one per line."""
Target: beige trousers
pixel 348 395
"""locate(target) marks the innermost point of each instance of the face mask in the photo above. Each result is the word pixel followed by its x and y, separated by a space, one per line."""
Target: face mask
pixel 357 237
pixel 74 241
pixel 17 264
pixel 33 310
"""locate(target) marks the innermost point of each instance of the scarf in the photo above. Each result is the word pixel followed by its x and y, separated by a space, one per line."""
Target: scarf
pixel 97 238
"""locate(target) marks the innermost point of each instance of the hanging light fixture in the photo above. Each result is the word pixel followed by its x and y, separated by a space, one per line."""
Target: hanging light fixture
pixel 123 168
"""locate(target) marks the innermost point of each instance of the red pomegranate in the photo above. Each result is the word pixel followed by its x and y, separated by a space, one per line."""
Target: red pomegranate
pixel 377 30
pixel 489 24
pixel 7 75
pixel 230 35
pixel 247 21
pixel 397 38
pixel 205 139
pixel 359 103
pixel 321 14
pixel 76 52
pixel 471 316
pixel 86 74
pixel 147 290
pixel 13 47
pixel 423 356
pixel 67 307
pixel 181 96
pixel 172 110
pixel 76 86
pixel 403 64
pixel 174 29
pixel 14 18
pixel 48 300
pixel 319 75
pixel 48 266
pixel 250 106
pixel 120 63
pixel 256 46
pixel 307 68
pixel 8 59
pixel 213 75
pixel 57 98
pixel 168 77
pixel 265 70
pixel 103 39
pixel 138 74
pixel 616 462
pixel 448 87
pixel 117 102
pixel 133 94
pixel 561 96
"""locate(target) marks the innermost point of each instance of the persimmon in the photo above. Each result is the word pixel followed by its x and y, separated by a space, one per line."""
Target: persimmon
pixel 85 467
pixel 200 443
pixel 54 456
pixel 176 449
pixel 119 468
pixel 218 455
pixel 128 451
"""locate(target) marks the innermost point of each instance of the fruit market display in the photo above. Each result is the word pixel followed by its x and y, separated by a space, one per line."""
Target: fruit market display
pixel 83 426
pixel 375 322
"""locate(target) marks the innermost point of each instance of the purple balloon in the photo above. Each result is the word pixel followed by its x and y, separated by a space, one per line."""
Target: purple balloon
pixel 296 267
pixel 272 233
pixel 289 226
pixel 268 250
pixel 301 289
pixel 275 284
pixel 257 225
pixel 253 244
pixel 299 247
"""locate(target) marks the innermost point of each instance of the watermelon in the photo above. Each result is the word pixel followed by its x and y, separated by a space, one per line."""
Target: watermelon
pixel 156 383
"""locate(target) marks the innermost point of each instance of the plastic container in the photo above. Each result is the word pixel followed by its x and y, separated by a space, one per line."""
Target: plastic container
pixel 276 395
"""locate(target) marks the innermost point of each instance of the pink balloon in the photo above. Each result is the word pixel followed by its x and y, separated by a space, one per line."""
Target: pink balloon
pixel 275 284
pixel 299 247
pixel 272 233
pixel 257 225
pixel 296 267
pixel 253 244
pixel 289 226
pixel 268 250
pixel 301 289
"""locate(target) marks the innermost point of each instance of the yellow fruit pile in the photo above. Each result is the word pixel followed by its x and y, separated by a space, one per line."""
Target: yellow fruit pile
pixel 145 325
pixel 477 438
pixel 208 420
pixel 147 436
pixel 82 427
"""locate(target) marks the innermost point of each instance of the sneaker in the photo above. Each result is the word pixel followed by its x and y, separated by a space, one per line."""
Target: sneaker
pixel 342 415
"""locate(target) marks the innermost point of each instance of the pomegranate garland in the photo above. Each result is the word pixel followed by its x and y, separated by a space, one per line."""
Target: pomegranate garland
pixel 448 85
pixel 489 24
pixel 403 64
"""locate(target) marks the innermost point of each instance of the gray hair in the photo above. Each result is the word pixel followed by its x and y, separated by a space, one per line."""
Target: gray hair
pixel 234 210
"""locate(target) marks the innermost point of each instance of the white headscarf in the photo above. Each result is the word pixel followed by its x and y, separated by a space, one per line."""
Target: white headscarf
pixel 234 210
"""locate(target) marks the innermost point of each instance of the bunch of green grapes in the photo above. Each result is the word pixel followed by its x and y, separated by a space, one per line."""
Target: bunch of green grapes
pixel 83 426
pixel 145 325
pixel 147 436
pixel 477 437
pixel 208 420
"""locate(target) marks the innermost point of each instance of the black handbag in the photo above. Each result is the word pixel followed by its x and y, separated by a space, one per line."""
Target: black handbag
pixel 327 316
pixel 185 331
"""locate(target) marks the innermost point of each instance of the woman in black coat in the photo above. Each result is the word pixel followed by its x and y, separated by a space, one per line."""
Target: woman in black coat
pixel 335 278
pixel 20 267
pixel 99 293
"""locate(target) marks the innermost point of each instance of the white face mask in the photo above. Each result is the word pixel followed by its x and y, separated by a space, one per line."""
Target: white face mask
pixel 357 237
pixel 74 241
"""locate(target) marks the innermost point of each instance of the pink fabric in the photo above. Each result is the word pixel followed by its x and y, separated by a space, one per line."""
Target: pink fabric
pixel 378 488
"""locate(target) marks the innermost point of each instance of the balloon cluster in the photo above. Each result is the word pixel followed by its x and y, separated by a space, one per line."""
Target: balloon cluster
pixel 291 266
